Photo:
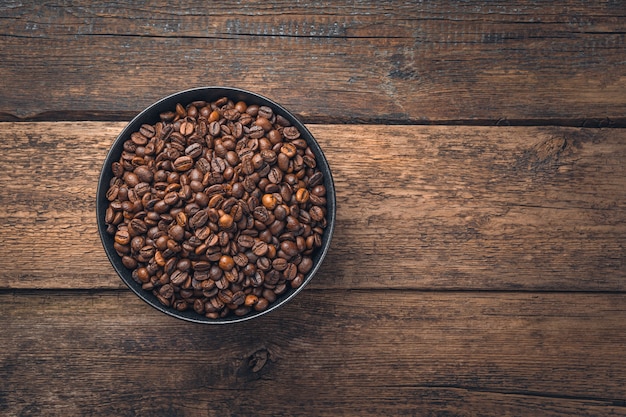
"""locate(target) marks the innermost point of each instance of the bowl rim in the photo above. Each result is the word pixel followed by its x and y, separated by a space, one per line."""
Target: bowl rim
pixel 150 115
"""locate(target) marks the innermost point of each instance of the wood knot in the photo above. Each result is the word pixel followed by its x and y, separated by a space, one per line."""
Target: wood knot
pixel 550 149
pixel 543 156
pixel 257 360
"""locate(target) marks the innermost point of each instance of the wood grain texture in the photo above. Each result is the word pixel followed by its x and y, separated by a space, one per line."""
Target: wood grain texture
pixel 419 207
pixel 418 62
pixel 328 353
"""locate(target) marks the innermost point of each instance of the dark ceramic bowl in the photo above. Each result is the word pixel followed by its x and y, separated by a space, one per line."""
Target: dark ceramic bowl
pixel 151 115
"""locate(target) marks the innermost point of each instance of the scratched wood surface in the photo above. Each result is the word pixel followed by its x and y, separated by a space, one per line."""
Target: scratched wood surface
pixel 361 353
pixel 479 262
pixel 425 62
pixel 419 207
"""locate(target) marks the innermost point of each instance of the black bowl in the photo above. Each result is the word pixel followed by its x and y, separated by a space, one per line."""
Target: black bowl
pixel 150 116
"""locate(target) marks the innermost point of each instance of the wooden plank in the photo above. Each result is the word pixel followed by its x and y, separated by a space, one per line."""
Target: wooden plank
pixel 418 207
pixel 365 353
pixel 440 62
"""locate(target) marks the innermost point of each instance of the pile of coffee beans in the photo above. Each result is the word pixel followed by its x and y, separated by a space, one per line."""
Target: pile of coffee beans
pixel 218 207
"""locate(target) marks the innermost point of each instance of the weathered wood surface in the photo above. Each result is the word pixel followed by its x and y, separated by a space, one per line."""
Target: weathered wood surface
pixel 419 207
pixel 328 353
pixel 475 270
pixel 425 62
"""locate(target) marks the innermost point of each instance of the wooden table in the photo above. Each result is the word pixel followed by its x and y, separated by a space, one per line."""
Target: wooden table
pixel 478 266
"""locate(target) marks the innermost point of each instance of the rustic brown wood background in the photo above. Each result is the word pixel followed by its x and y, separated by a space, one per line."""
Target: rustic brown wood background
pixel 479 261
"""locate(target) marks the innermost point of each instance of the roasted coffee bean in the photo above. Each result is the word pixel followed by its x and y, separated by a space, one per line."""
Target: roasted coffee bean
pixel 302 195
pixel 316 213
pixel 240 259
pixel 269 156
pixel 237 212
pixel 147 130
pixel 309 161
pixel 280 264
pixel 216 201
pixel 178 277
pixel 225 221
pixel 256 132
pixel 261 304
pixel 122 237
pixel 317 200
pixel 194 150
pixel 183 163
pixel 177 233
pixel 257 278
pixel 260 248
pixel 297 281
pixel 171 198
pixel 186 128
pixel 266 112
pixel 245 241
pixel 291 133
pixel 305 265
pixel 251 300
pixel 261 214
pixel 269 201
pixel 218 207
pixel 112 193
pixel 199 219
pixel 226 263
pixel 289 247
pixel 288 149
pixel 272 277
pixel 290 271
pixel 121 249
pixel 138 227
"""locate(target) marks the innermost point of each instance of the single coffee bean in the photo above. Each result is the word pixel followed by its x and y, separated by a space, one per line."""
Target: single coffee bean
pixel 302 195
pixel 263 264
pixel 289 150
pixel 289 247
pixel 183 163
pixel 256 132
pixel 297 281
pixel 306 264
pixel 177 233
pixel 261 304
pixel 144 174
pixel 178 277
pixel 122 237
pixel 317 213
pixel 269 201
pixel 194 150
pixel 272 277
pixel 266 112
pixel 238 298
pixel 260 248
pixel 187 127
pixel 199 219
pixel 138 139
pixel 216 201
pixel 138 226
pixel 112 193
pixel 226 263
pixel 291 133
pixel 290 271
pixel 245 241
pixel 225 221
pixel 251 300
pixel 261 214
pixel 279 264
pixel 129 262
